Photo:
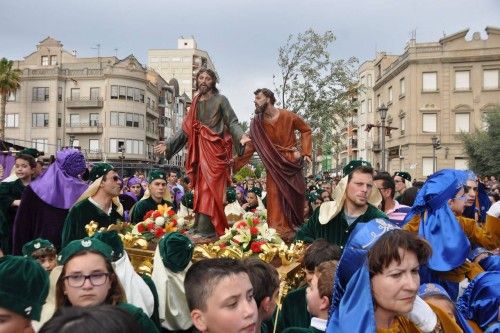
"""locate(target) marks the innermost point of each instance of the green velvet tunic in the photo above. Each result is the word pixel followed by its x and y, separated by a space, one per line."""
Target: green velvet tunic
pixel 310 329
pixel 142 207
pixel 140 317
pixel 294 311
pixel 80 215
pixel 336 231
pixel 217 114
pixel 9 191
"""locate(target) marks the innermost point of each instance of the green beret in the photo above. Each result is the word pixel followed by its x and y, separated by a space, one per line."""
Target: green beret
pixel 85 244
pixel 112 239
pixel 187 200
pixel 256 190
pixel 354 164
pixel 156 174
pixel 231 194
pixel 99 170
pixel 403 174
pixel 176 251
pixel 24 286
pixel 29 151
pixel 36 245
pixel 312 196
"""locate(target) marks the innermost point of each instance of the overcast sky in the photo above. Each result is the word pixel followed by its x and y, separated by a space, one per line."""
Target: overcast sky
pixel 241 36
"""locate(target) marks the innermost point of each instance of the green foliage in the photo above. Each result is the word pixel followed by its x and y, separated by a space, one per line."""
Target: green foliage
pixel 259 168
pixel 244 173
pixel 244 125
pixel 314 85
pixel 10 81
pixel 483 146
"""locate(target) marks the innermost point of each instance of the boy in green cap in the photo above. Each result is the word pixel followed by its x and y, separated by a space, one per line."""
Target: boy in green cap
pixel 24 286
pixel 42 251
pixel 156 194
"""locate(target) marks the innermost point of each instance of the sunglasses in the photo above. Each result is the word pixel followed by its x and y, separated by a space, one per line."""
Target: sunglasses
pixel 116 178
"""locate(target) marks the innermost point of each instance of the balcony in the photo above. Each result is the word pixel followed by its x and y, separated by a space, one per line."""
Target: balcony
pixel 84 128
pixel 152 112
pixel 151 135
pixel 84 103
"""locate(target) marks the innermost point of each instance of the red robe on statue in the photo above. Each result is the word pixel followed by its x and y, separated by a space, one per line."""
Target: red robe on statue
pixel 208 166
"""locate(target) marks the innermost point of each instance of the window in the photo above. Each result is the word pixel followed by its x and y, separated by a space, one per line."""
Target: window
pixel 40 144
pixel 462 122
pixel 402 125
pixel 45 60
pixel 429 122
pixel 53 60
pixel 363 106
pixel 40 120
pixel 136 120
pixel 94 93
pixel 94 145
pixel 59 94
pixel 427 166
pixel 461 163
pixel 429 81
pixel 12 97
pixel 490 79
pixel 12 120
pixel 369 80
pixel 362 81
pixel 141 95
pixel 94 119
pixel 74 120
pixel 462 80
pixel 75 94
pixel 123 92
pixel 76 143
pixel 59 119
pixel 130 119
pixel 390 95
pixel 127 119
pixel 137 95
pixel 370 107
pixel 114 92
pixel 130 93
pixel 379 101
pixel 402 87
pixel 40 94
pixel 148 102
pixel 134 147
pixel 121 119
pixel 114 118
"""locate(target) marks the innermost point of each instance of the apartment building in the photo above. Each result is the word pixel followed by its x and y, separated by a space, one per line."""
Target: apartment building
pixel 433 91
pixel 107 106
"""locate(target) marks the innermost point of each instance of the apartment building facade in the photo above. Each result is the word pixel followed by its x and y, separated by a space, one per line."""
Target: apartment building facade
pixel 434 90
pixel 108 107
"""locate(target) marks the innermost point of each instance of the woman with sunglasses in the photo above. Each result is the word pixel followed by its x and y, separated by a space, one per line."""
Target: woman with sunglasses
pixel 87 279
pixel 99 203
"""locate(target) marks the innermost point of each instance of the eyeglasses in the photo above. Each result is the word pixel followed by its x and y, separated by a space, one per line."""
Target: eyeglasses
pixel 468 188
pixel 96 279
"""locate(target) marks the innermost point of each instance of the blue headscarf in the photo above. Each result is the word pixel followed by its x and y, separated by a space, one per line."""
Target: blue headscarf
pixel 352 297
pixel 438 224
pixel 481 299
pixel 482 203
pixel 433 289
pixel 490 263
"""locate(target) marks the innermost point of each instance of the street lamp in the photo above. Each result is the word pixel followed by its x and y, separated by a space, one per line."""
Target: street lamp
pixel 122 157
pixel 436 144
pixel 383 114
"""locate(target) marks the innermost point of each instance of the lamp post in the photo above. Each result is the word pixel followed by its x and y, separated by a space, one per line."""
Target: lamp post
pixel 383 114
pixel 435 145
pixel 122 157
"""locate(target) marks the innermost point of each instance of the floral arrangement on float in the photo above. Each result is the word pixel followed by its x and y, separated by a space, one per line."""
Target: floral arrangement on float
pixel 157 223
pixel 251 235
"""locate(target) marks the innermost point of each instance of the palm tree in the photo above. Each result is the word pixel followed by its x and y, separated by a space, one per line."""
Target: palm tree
pixel 10 82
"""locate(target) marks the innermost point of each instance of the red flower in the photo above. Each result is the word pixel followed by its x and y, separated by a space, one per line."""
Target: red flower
pixel 223 245
pixel 171 212
pixel 148 214
pixel 159 232
pixel 255 221
pixel 236 241
pixel 151 226
pixel 156 214
pixel 256 247
pixel 174 222
pixel 241 224
pixel 140 228
pixel 254 231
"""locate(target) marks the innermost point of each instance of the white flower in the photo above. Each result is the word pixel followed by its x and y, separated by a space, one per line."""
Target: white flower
pixel 160 221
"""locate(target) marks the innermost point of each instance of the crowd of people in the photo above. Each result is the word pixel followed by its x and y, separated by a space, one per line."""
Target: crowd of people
pixel 384 254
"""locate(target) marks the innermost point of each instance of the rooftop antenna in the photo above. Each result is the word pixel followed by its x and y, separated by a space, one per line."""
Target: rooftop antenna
pixel 116 52
pixel 98 48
